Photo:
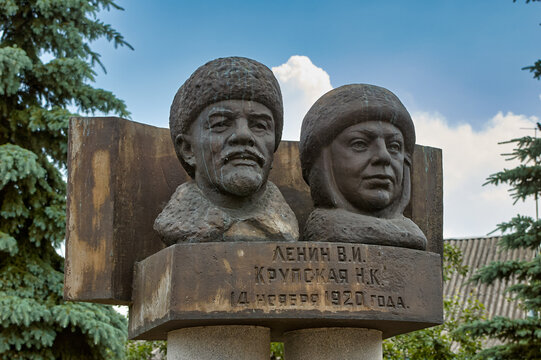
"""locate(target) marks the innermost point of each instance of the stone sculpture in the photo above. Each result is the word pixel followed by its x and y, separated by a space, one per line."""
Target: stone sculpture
pixel 226 123
pixel 356 147
pixel 232 274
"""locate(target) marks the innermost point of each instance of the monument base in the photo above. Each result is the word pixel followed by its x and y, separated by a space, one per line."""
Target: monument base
pixel 285 287
pixel 219 343
pixel 333 343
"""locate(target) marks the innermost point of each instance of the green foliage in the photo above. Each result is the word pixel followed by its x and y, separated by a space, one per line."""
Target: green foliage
pixel 277 351
pixel 442 342
pixel 34 95
pixel 521 338
pixel 536 67
pixel 452 262
pixel 145 350
pixel 525 179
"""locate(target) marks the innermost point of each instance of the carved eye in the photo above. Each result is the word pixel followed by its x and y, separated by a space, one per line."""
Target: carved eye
pixel 359 145
pixel 394 147
pixel 219 123
pixel 259 125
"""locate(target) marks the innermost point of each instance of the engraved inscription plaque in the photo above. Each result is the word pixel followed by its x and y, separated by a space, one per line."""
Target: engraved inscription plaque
pixel 395 290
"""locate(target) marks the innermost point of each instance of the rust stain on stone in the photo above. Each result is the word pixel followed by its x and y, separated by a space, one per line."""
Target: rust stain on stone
pixel 153 307
pixel 227 266
pixel 73 273
pixel 101 172
pixel 89 271
pixel 87 252
pixel 85 273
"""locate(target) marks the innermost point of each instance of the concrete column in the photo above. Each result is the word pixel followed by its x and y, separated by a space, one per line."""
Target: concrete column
pixel 333 343
pixel 228 342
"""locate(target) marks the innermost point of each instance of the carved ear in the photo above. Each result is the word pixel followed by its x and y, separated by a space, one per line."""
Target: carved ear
pixel 184 144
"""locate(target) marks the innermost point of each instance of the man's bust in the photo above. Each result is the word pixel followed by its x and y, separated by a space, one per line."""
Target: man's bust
pixel 356 147
pixel 226 123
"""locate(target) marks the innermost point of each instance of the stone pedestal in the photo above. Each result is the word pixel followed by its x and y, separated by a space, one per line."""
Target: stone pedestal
pixel 228 342
pixel 286 287
pixel 333 343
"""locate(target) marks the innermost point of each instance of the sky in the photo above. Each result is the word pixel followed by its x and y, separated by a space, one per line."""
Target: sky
pixel 455 64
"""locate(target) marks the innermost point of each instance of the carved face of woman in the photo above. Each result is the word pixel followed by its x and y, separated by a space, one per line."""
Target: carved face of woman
pixel 368 164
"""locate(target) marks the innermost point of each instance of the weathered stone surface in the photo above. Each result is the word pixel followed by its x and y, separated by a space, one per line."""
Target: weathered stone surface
pixel 333 343
pixel 121 175
pixel 230 342
pixel 190 217
pixel 224 79
pixel 286 286
pixel 357 144
pixel 345 226
pixel 226 123
pixel 426 204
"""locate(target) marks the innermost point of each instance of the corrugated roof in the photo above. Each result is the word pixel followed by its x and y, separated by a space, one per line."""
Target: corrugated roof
pixel 476 253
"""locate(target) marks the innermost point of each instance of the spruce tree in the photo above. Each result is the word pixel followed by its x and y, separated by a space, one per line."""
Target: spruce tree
pixel 535 68
pixel 520 338
pixel 47 67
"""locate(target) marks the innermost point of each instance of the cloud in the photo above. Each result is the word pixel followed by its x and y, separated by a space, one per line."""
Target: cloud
pixel 302 83
pixel 469 157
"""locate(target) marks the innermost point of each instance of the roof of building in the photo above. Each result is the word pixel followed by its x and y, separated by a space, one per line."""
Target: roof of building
pixel 476 253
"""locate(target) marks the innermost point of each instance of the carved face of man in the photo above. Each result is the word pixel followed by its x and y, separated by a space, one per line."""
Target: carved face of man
pixel 368 164
pixel 231 146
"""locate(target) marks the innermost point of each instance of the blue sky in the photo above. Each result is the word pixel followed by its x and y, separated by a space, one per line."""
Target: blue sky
pixel 460 58
pixel 456 65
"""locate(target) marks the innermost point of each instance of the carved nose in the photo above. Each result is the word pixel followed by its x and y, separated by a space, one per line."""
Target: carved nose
pixel 381 154
pixel 243 134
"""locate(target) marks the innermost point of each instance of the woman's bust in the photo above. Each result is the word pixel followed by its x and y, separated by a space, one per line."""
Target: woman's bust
pixel 356 147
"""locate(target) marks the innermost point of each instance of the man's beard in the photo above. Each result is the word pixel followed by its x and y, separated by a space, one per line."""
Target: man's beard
pixel 242 182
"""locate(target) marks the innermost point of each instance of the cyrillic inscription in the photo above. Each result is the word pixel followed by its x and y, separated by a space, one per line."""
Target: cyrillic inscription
pixel 286 286
pixel 311 276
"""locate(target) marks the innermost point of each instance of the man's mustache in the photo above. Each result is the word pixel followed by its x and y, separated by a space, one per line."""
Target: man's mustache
pixel 243 153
